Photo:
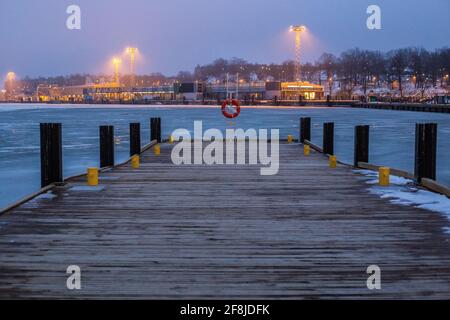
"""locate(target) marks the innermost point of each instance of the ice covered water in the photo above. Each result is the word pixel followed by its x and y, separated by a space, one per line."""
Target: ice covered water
pixel 391 144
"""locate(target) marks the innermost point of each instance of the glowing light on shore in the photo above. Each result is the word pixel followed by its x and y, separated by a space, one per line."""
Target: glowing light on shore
pixel 11 76
pixel 116 62
pixel 298 29
pixel 132 53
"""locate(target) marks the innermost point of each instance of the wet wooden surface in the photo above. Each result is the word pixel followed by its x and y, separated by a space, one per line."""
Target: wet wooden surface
pixel 166 231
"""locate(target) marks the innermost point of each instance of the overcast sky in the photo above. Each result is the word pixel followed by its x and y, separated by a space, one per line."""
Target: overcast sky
pixel 174 35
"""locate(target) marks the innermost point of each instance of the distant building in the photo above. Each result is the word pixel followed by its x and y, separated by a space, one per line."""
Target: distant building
pixel 190 91
pixel 266 91
pixel 306 90
pixel 193 91
pixel 243 91
pixel 47 93
pixel 2 95
pixel 102 93
pixel 273 90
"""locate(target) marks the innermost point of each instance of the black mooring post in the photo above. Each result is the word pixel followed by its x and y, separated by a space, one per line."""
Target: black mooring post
pixel 135 139
pixel 159 131
pixel 328 138
pixel 155 129
pixel 51 153
pixel 106 146
pixel 425 157
pixel 305 129
pixel 361 144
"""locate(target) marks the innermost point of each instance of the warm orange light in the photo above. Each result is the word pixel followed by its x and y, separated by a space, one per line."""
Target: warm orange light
pixel 116 61
pixel 297 28
pixel 131 50
pixel 10 76
pixel 132 53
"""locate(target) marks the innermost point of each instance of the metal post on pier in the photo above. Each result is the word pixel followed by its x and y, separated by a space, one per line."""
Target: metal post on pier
pixel 135 139
pixel 361 144
pixel 328 138
pixel 106 146
pixel 51 153
pixel 155 129
pixel 425 155
pixel 305 129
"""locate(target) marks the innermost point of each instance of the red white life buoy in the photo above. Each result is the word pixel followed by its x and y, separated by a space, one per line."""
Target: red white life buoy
pixel 232 110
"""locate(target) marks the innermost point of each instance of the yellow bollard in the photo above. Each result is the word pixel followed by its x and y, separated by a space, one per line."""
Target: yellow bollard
pixel 92 176
pixel 157 150
pixel 306 150
pixel 333 161
pixel 135 163
pixel 383 176
pixel 171 139
pixel 290 138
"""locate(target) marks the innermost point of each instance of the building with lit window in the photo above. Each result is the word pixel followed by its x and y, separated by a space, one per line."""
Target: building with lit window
pixel 306 90
pixel 194 91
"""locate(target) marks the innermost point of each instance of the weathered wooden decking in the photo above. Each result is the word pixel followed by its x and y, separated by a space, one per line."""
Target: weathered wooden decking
pixel 166 231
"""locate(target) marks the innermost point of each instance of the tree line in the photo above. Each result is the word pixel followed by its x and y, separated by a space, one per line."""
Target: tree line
pixel 354 67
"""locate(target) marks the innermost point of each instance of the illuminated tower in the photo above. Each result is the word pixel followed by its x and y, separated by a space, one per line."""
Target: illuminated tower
pixel 132 52
pixel 9 85
pixel 116 62
pixel 298 31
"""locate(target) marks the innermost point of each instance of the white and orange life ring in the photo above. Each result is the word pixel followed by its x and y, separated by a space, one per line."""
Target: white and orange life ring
pixel 231 110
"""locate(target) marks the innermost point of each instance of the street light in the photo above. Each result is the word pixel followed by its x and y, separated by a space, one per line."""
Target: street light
pixel 132 52
pixel 298 29
pixel 116 62
pixel 10 76
pixel 9 85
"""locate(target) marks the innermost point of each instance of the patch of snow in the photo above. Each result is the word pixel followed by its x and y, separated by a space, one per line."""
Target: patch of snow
pixel 87 188
pixel 403 192
pixel 409 90
pixel 47 195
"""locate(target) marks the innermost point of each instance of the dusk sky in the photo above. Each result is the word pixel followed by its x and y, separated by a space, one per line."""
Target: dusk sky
pixel 174 35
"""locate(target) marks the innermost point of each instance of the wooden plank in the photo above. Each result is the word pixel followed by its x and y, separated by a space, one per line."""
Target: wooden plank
pixel 435 186
pixel 395 172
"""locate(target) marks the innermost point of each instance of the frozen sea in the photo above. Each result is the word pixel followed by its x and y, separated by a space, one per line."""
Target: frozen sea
pixel 391 136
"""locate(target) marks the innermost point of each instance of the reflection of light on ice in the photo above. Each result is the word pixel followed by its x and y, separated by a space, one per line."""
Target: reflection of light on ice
pixel 402 191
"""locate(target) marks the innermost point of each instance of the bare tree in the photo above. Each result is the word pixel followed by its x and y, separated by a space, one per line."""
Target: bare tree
pixel 398 62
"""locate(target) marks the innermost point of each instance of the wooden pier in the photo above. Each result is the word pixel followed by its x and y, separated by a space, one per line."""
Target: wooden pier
pixel 197 231
pixel 417 107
